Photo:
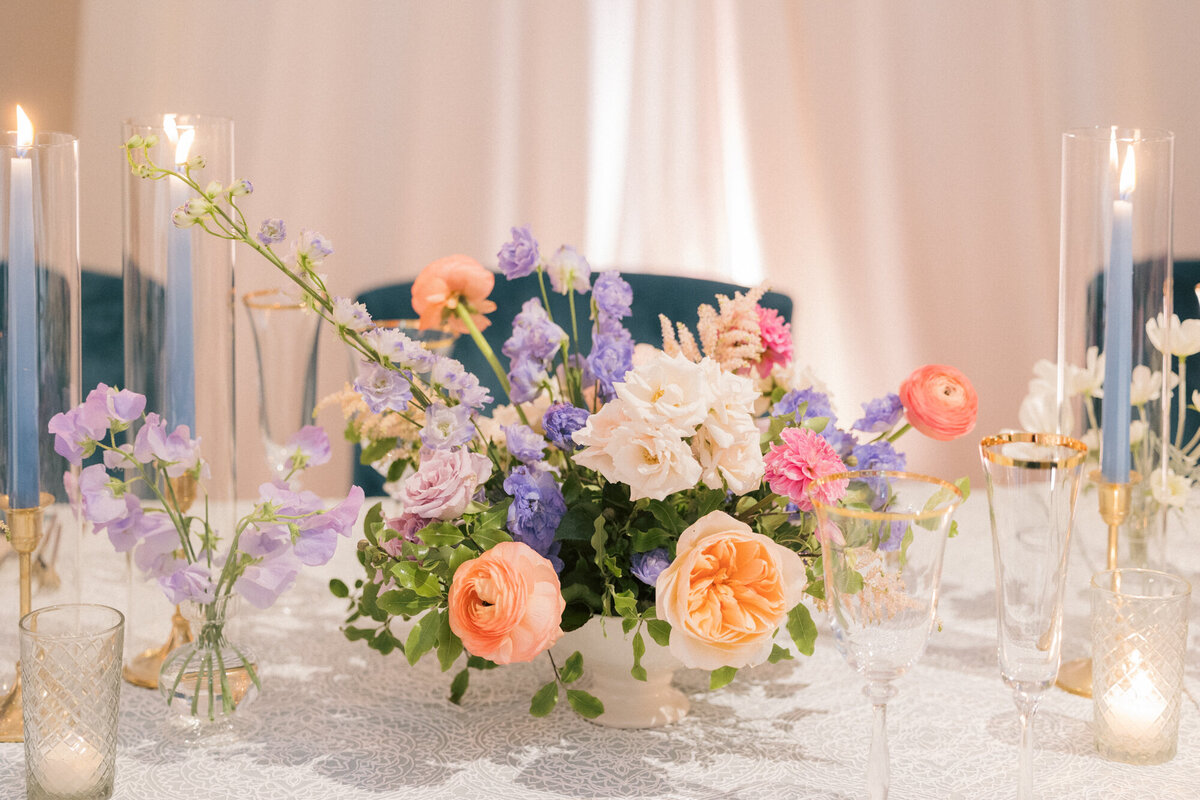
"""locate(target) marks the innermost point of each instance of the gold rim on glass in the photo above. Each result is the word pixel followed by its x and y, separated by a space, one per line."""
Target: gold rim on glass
pixel 988 444
pixel 941 510
pixel 255 300
pixel 1168 578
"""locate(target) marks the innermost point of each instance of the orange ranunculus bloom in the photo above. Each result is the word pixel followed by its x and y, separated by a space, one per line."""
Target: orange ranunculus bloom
pixel 726 593
pixel 506 605
pixel 939 401
pixel 445 283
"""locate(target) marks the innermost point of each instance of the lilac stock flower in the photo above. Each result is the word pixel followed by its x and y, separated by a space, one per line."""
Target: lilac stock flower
pixel 560 421
pixel 519 257
pixel 610 359
pixel 647 566
pixel 817 405
pixel 176 450
pixel 525 378
pixel 524 443
pixel 191 582
pixel 569 270
pixel 447 427
pixel 878 455
pixel 382 389
pixel 350 314
pixel 537 509
pixel 842 442
pixel 612 295
pixel 534 336
pixel 312 247
pixel 880 414
pixel 308 447
pixel 461 385
pixel 271 232
pixel 401 350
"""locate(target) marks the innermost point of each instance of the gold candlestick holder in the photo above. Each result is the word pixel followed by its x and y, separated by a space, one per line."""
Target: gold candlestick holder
pixel 142 670
pixel 1075 676
pixel 25 534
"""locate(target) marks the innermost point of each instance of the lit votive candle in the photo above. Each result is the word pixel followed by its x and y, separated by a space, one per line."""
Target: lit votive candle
pixel 72 768
pixel 1136 708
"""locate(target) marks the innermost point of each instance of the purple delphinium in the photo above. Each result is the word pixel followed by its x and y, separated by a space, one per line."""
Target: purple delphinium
pixel 313 247
pixel 647 566
pixel 610 359
pixel 842 442
pixel 402 351
pixel 534 341
pixel 895 535
pixel 612 295
pixel 537 509
pixel 878 455
pixel 568 270
pixel 519 257
pixel 880 414
pixel 817 405
pixel 447 428
pixel 524 443
pixel 272 231
pixel 560 421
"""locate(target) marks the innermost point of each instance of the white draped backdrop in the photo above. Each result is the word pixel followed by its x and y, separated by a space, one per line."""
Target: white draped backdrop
pixel 893 166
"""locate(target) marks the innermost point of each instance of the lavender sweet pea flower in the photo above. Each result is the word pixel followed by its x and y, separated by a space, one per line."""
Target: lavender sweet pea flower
pixel 447 427
pixel 121 406
pixel 560 421
pixel 191 582
pixel 309 447
pixel 646 566
pixel 263 582
pixel 612 295
pixel 176 450
pixel 101 503
pixel 319 533
pixel 75 431
pixel 524 443
pixel 155 554
pixel 537 509
pixel 569 270
pixel 519 257
pixel 126 531
pixel 880 414
pixel 271 232
pixel 382 389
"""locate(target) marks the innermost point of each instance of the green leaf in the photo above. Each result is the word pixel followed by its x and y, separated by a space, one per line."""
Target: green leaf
pixel 458 686
pixel 449 646
pixel 572 668
pixel 667 516
pixel 578 524
pixel 709 501
pixel 721 677
pixel 599 538
pixel 404 603
pixel 639 650
pixel 377 450
pixel 338 588
pixel 849 581
pixel 585 705
pixel 475 662
pixel 645 541
pixel 460 556
pixel 779 654
pixel 384 642
pixel 440 534
pixel 495 516
pixel 660 631
pixel 490 537
pixel 423 636
pixel 625 604
pixel 544 701
pixel 774 428
pixel 373 523
pixel 355 634
pixel 411 576
pixel 628 624
pixel 802 629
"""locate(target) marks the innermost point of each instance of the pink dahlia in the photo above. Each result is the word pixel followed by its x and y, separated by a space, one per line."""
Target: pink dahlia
pixel 776 337
pixel 801 458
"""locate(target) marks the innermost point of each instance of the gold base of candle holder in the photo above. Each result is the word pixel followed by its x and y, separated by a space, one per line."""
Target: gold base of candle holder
pixel 143 669
pixel 24 533
pixel 1075 676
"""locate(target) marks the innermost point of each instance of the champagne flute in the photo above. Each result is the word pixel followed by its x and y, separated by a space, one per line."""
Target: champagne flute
pixel 881 549
pixel 1032 483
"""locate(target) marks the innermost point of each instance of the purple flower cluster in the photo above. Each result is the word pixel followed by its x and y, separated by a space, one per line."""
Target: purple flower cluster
pixel 447 427
pixel 519 257
pixel 560 421
pixel 880 414
pixel 307 447
pixel 531 347
pixel 536 510
pixel 524 443
pixel 878 455
pixel 612 345
pixel 459 384
pixel 77 431
pixel 816 404
pixel 647 566
pixel 569 270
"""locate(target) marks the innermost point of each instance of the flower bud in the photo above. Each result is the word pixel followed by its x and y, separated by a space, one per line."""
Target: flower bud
pixel 181 218
pixel 133 142
pixel 213 189
pixel 198 207
pixel 196 162
pixel 150 141
pixel 240 187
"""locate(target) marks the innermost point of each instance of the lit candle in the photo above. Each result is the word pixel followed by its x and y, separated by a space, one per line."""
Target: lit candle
pixel 180 347
pixel 72 768
pixel 1135 706
pixel 22 332
pixel 1118 331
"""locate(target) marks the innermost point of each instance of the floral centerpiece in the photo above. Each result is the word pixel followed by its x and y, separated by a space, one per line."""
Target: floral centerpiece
pixel 664 489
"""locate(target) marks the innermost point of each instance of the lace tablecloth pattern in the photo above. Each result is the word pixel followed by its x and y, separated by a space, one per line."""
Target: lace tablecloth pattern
pixel 336 721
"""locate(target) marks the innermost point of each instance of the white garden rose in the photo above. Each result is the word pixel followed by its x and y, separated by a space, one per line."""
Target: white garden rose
pixel 729 454
pixel 668 390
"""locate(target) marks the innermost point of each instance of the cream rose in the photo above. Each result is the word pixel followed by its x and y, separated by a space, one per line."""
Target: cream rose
pixel 726 593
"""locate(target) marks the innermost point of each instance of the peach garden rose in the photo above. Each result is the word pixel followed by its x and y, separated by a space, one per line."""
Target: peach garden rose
pixel 726 593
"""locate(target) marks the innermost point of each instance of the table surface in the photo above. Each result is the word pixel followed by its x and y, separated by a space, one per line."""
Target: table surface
pixel 336 720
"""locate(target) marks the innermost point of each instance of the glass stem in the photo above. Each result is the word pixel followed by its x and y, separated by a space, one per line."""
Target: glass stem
pixel 878 769
pixel 1027 704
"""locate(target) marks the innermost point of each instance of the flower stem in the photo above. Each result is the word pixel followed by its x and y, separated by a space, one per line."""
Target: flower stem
pixel 900 432
pixel 465 316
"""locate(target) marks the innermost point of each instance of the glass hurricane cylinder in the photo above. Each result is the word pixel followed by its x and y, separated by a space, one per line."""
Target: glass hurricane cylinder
pixel 1139 639
pixel 39 366
pixel 179 320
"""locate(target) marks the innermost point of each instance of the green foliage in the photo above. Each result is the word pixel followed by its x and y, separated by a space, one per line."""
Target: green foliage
pixel 802 629
pixel 585 705
pixel 339 588
pixel 639 650
pixel 572 668
pixel 779 654
pixel 721 677
pixel 544 700
pixel 660 631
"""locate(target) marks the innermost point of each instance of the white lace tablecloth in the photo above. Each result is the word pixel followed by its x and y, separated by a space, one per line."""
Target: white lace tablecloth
pixel 339 722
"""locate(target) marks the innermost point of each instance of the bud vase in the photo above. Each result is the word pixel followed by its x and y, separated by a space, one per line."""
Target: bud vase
pixel 209 682
pixel 607 659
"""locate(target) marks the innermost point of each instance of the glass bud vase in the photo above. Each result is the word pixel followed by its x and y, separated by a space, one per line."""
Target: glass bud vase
pixel 209 682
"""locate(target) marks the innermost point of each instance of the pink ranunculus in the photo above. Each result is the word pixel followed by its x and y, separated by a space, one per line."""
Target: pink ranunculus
pixel 444 484
pixel 445 283
pixel 801 458
pixel 776 340
pixel 939 401
pixel 506 605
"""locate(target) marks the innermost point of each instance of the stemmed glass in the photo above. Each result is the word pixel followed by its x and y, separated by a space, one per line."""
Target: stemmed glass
pixel 1032 482
pixel 881 548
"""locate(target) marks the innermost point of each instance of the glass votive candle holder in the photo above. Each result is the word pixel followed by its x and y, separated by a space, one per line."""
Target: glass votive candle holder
pixel 71 677
pixel 1139 636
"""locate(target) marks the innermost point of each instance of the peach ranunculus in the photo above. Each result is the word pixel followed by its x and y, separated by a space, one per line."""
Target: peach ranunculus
pixel 939 401
pixel 446 283
pixel 726 593
pixel 506 605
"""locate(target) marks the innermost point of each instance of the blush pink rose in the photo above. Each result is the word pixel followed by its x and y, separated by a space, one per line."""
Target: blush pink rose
pixel 446 283
pixel 799 459
pixel 444 484
pixel 940 402
pixel 726 593
pixel 506 605
pixel 776 340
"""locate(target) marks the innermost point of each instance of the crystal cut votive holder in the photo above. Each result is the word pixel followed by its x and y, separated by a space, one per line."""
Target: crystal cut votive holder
pixel 71 671
pixel 1139 636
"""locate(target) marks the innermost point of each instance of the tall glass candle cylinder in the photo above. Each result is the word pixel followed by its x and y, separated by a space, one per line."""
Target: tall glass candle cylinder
pixel 179 317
